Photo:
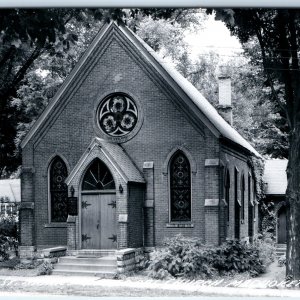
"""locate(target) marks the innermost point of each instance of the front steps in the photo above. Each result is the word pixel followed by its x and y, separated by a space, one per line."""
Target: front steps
pixel 102 263
pixel 280 250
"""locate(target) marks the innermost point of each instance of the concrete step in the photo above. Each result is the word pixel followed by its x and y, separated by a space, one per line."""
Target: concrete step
pixel 105 261
pixel 280 249
pixel 84 273
pixel 95 253
pixel 86 267
pixel 90 266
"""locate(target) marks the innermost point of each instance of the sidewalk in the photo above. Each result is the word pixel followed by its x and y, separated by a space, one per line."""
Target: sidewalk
pixel 93 286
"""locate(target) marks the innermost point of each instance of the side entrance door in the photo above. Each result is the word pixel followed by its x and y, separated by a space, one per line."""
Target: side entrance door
pixel 281 229
pixel 98 225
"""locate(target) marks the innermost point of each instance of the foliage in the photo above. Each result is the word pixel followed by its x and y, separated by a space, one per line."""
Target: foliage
pixel 38 49
pixel 266 247
pixel 282 260
pixel 8 235
pixel 276 31
pixel 257 165
pixel 236 257
pixel 188 258
pixel 32 264
pixel 268 219
pixel 45 268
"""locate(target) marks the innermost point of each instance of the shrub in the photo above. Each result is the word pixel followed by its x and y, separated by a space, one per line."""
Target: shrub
pixel 281 260
pixel 182 257
pixel 235 256
pixel 45 268
pixel 8 236
pixel 266 247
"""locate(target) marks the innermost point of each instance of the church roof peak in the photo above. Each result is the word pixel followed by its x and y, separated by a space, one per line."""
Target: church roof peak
pixel 172 76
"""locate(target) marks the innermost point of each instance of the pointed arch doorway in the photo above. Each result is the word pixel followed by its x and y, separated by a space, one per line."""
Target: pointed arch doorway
pixel 98 208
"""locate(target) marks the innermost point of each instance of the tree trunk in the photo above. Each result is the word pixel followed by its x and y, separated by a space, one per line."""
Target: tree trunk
pixel 293 205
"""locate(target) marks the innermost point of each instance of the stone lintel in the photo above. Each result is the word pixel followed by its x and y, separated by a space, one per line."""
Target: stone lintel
pixel 212 162
pixel 148 165
pixel 123 218
pixel 211 202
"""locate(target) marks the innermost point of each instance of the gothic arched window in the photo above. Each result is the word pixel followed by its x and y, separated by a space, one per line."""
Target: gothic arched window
pixel 98 177
pixel 58 190
pixel 227 192
pixel 243 196
pixel 180 187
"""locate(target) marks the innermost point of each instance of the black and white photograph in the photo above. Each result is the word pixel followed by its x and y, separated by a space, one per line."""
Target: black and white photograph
pixel 149 152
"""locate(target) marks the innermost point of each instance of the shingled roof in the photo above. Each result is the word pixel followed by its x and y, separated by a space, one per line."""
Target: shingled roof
pixel 188 93
pixel 275 176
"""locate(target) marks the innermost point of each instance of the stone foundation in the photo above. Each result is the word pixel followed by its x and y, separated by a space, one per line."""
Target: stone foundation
pixel 26 252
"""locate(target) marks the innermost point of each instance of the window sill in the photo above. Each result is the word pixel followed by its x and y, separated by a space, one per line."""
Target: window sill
pixel 56 225
pixel 180 225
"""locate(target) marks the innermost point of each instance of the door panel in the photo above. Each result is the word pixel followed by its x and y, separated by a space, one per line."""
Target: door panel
pixel 282 226
pixel 98 221
pixel 108 221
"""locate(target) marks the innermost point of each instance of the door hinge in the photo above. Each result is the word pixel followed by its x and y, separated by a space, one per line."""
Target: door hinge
pixel 85 204
pixel 113 238
pixel 113 204
pixel 85 237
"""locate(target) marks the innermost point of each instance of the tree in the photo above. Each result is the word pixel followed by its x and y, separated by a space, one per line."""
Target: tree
pixel 277 32
pixel 50 40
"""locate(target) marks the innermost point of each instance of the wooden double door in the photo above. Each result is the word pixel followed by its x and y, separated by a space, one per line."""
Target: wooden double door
pixel 98 221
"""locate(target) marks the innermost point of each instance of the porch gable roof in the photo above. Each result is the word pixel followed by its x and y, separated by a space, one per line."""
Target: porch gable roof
pixel 117 157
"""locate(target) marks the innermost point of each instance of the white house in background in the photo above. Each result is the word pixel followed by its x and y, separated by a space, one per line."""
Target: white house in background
pixel 10 196
pixel 276 184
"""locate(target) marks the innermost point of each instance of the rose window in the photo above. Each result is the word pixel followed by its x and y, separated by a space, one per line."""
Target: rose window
pixel 118 115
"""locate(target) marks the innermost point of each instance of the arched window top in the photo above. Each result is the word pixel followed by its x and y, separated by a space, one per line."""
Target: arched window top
pixel 58 190
pixel 180 186
pixel 98 177
pixel 58 174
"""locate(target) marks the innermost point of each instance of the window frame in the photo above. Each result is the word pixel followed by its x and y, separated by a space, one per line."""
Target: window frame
pixel 174 155
pixel 50 208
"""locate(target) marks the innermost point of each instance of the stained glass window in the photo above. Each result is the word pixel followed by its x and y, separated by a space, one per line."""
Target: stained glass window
pixel 58 190
pixel 180 185
pixel 118 115
pixel 98 177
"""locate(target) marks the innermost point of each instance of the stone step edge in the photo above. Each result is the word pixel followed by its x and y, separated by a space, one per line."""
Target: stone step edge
pixel 83 272
pixel 87 265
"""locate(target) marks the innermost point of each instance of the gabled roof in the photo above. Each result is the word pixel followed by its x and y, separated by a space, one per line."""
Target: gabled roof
pixel 173 77
pixel 117 157
pixel 275 176
pixel 10 190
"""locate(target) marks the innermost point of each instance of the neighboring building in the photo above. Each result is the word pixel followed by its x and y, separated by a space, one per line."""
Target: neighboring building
pixel 10 196
pixel 128 153
pixel 276 184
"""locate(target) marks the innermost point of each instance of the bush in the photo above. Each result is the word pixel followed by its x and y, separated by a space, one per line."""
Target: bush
pixel 45 268
pixel 236 257
pixel 182 257
pixel 8 236
pixel 281 260
pixel 266 247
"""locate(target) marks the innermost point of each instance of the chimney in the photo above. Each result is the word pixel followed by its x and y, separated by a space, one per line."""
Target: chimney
pixel 224 107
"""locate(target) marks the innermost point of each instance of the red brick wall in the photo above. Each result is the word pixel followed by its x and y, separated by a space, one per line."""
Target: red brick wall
pixel 164 129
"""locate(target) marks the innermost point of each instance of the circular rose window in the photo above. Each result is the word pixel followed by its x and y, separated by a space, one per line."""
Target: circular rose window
pixel 117 115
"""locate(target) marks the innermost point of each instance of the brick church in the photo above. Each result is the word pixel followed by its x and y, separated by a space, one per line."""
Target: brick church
pixel 128 153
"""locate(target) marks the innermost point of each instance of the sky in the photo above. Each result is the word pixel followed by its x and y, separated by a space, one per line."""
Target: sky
pixel 214 37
